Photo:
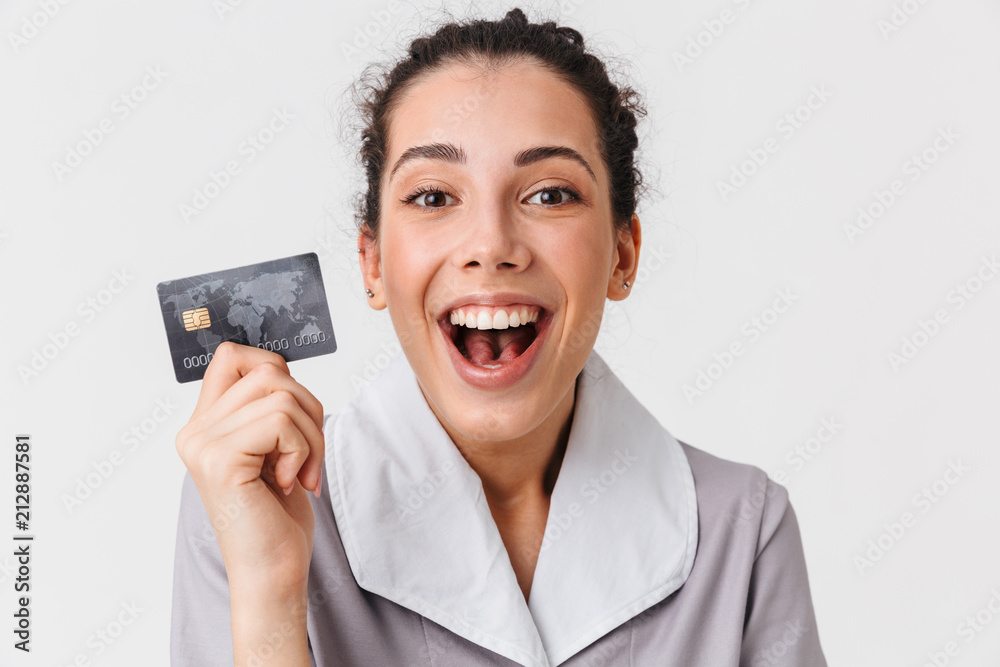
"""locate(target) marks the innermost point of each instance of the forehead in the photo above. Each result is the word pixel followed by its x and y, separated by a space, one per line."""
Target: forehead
pixel 493 114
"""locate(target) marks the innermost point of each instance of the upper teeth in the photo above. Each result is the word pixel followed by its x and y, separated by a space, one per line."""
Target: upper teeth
pixel 484 317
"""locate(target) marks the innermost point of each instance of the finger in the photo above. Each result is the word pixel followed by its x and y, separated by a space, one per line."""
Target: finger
pixel 280 402
pixel 312 469
pixel 230 362
pixel 261 380
pixel 244 450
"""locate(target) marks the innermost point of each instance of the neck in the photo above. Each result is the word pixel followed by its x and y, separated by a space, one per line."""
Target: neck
pixel 521 470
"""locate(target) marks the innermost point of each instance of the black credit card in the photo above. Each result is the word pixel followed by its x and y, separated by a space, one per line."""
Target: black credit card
pixel 278 305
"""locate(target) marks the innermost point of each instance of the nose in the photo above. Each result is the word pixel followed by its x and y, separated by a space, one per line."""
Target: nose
pixel 492 239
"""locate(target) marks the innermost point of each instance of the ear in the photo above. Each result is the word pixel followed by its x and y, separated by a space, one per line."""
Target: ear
pixel 626 261
pixel 371 268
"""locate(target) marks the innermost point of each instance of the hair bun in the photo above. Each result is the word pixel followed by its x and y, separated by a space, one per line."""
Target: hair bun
pixel 516 16
pixel 571 35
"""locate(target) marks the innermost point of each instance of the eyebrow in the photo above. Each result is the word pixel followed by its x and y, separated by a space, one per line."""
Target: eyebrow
pixel 537 153
pixel 448 152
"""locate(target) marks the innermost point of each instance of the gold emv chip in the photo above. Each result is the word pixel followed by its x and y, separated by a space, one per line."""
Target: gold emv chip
pixel 196 319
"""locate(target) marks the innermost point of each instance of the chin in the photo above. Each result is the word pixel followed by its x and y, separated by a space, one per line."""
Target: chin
pixel 492 425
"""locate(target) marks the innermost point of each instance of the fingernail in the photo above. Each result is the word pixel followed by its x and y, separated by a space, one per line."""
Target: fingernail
pixel 289 488
pixel 319 484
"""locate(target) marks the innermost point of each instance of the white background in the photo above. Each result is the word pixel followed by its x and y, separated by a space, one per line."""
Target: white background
pixel 63 236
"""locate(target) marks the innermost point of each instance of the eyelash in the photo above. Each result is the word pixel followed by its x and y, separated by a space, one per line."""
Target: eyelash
pixel 573 195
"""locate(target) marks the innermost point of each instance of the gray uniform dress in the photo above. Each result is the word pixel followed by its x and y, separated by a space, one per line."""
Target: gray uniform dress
pixel 655 552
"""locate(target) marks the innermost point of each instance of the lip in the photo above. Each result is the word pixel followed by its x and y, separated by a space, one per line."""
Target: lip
pixel 511 372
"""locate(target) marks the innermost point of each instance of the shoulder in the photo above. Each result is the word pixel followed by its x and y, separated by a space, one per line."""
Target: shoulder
pixel 750 559
pixel 736 498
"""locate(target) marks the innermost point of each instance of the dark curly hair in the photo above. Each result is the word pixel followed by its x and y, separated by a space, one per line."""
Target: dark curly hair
pixel 492 44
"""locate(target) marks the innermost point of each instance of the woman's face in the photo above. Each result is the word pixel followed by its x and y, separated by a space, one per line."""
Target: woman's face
pixel 483 223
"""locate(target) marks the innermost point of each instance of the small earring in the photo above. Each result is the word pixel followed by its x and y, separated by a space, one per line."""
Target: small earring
pixel 626 284
pixel 359 249
pixel 369 293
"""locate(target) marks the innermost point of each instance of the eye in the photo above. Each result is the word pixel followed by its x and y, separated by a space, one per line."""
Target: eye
pixel 551 197
pixel 434 199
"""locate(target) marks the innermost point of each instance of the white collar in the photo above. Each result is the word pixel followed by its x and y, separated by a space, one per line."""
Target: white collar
pixel 621 533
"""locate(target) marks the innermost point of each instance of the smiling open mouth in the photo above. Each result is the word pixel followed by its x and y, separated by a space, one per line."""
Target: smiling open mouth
pixel 493 337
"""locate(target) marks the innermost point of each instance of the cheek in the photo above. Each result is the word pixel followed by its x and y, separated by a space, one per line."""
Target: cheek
pixel 583 267
pixel 408 267
pixel 582 259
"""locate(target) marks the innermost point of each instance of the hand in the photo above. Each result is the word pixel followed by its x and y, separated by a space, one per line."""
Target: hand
pixel 253 445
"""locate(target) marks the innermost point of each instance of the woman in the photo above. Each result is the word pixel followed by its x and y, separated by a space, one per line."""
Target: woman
pixel 496 496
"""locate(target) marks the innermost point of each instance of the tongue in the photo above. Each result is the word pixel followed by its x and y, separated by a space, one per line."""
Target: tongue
pixel 483 345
